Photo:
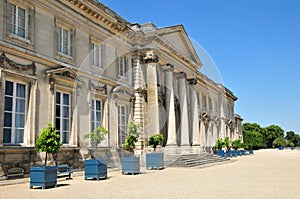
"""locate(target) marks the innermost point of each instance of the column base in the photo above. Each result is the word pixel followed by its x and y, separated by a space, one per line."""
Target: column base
pixel 171 149
pixel 185 149
pixel 196 149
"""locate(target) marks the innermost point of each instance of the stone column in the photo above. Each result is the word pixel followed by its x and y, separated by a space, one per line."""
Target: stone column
pixel 184 126
pixel 138 114
pixel 194 113
pixel 170 110
pixel 153 112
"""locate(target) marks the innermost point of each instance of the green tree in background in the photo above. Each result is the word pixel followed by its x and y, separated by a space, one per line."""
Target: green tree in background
pixel 291 136
pixel 271 133
pixel 253 136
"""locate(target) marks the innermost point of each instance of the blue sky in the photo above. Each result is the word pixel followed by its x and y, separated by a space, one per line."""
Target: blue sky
pixel 255 45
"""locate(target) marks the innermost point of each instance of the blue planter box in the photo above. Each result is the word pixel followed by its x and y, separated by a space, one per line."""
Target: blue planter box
pixel 243 152
pixel 43 176
pixel 95 169
pixel 220 153
pixel 251 152
pixel 281 148
pixel 292 148
pixel 131 165
pixel 233 153
pixel 228 154
pixel 238 153
pixel 155 160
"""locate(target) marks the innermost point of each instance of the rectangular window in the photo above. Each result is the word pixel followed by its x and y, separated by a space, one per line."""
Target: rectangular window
pixel 204 102
pixel 64 41
pixel 122 66
pixel 122 121
pixel 210 104
pixel 96 114
pixel 15 105
pixel 19 21
pixel 97 55
pixel 63 116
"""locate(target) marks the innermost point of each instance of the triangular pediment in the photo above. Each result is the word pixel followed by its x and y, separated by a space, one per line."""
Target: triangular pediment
pixel 63 72
pixel 177 37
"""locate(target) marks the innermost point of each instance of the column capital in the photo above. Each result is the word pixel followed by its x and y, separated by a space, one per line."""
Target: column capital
pixel 150 57
pixel 168 68
pixel 181 75
pixel 192 81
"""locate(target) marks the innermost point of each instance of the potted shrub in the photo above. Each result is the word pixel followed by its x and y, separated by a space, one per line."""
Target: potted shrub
pixel 236 144
pixel 131 165
pixel 227 144
pixel 219 146
pixel 94 168
pixel 49 142
pixel 155 160
pixel 292 145
pixel 279 142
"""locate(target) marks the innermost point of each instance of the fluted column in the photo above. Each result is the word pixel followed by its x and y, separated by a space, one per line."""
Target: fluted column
pixel 153 111
pixel 170 110
pixel 184 126
pixel 194 113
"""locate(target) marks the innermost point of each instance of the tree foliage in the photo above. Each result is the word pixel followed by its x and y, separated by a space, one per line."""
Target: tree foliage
pixel 133 133
pixel 280 141
pixel 48 141
pixel 271 133
pixel 97 135
pixel 227 143
pixel 292 137
pixel 155 140
pixel 236 144
pixel 220 144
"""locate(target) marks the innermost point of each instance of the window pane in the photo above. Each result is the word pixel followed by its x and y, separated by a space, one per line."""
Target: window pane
pixel 98 116
pixel 65 112
pixel 57 124
pixel 98 105
pixel 57 111
pixel 93 126
pixel 65 137
pixel 19 134
pixel 7 120
pixel 21 90
pixel 65 125
pixel 7 136
pixel 20 105
pixel 9 88
pixel 20 120
pixel 8 103
pixel 93 115
pixel 21 12
pixel 57 97
pixel 13 19
pixel 66 99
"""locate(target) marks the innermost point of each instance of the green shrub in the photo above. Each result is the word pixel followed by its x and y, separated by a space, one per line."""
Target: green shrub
pixel 97 135
pixel 227 143
pixel 219 144
pixel 155 140
pixel 132 136
pixel 236 144
pixel 48 141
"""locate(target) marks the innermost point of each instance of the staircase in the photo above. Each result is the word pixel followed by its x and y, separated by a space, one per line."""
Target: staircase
pixel 192 160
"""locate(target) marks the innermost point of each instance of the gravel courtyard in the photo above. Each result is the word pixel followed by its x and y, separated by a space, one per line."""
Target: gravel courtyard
pixel 267 174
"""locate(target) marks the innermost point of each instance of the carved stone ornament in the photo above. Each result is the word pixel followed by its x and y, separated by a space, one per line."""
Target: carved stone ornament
pixel 102 89
pixel 151 57
pixel 192 81
pixel 5 61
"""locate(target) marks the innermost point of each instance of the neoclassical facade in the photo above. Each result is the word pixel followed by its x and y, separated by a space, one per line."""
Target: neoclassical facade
pixel 77 64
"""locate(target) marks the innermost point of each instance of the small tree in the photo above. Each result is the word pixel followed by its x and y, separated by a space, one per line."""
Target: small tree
pixel 280 141
pixel 48 141
pixel 220 144
pixel 133 133
pixel 236 144
pixel 227 143
pixel 155 140
pixel 97 135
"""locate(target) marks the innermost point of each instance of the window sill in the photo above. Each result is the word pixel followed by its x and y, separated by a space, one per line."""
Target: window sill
pixel 123 77
pixel 23 42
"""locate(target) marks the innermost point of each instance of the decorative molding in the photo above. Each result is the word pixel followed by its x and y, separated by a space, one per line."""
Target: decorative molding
pixel 5 61
pixel 181 75
pixel 150 57
pixel 168 68
pixel 102 89
pixel 52 84
pixel 192 81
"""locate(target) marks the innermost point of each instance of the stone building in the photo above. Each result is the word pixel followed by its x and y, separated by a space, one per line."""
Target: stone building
pixel 77 64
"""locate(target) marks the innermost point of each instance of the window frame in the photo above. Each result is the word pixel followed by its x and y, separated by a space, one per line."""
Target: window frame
pixel 94 112
pixel 14 111
pixel 61 118
pixel 122 127
pixel 60 41
pixel 97 60
pixel 122 71
pixel 15 24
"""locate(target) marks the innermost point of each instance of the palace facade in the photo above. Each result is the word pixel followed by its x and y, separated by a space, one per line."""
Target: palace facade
pixel 77 64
